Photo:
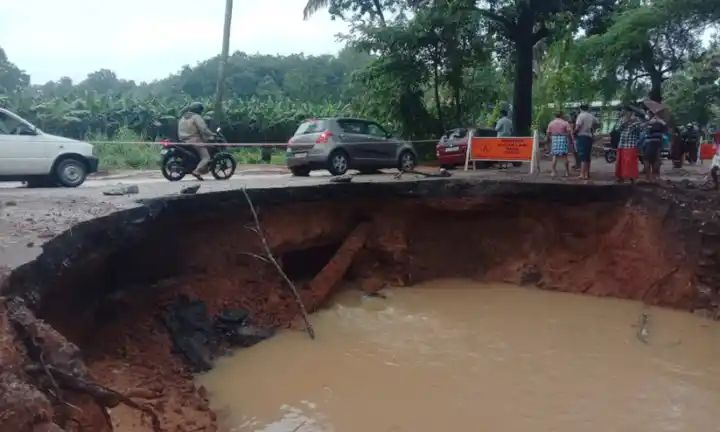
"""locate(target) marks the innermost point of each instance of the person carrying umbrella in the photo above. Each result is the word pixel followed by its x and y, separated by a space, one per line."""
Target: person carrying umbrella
pixel 655 131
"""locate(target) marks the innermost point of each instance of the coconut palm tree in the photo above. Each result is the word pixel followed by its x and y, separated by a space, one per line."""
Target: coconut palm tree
pixel 313 6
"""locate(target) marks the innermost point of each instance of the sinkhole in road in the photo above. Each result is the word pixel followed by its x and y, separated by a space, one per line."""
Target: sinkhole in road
pixel 150 307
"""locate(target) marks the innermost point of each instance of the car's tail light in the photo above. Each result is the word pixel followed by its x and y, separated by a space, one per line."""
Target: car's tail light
pixel 324 138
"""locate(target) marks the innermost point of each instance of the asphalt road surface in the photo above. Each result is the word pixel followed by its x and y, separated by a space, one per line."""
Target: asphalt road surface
pixel 29 217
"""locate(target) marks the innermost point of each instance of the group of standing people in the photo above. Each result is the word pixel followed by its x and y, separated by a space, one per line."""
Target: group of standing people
pixel 572 137
pixel 639 139
pixel 636 136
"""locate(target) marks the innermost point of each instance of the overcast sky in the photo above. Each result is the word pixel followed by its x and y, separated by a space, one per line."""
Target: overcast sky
pixel 148 39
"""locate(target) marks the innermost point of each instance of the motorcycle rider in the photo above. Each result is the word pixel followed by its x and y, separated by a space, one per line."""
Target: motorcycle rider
pixel 192 129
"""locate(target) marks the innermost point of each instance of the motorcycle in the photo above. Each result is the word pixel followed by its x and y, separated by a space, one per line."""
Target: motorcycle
pixel 179 159
pixel 610 148
pixel 610 154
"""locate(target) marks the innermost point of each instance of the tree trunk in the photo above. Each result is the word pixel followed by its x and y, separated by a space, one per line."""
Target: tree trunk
pixel 522 97
pixel 379 11
pixel 656 82
pixel 525 40
pixel 656 76
pixel 438 105
pixel 458 106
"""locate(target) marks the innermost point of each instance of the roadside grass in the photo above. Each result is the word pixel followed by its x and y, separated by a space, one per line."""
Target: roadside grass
pixel 119 154
pixel 253 156
pixel 143 154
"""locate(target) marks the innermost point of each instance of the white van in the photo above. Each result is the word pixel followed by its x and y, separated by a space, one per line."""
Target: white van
pixel 28 154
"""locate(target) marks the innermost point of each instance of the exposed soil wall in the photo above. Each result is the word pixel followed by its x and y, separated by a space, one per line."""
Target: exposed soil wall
pixel 107 298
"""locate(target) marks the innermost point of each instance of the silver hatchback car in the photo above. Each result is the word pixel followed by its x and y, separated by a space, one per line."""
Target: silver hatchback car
pixel 340 144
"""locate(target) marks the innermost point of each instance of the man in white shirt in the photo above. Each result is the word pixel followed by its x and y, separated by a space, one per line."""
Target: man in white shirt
pixel 504 126
pixel 585 126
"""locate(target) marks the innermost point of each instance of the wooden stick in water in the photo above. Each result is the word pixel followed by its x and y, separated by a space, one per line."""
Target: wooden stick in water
pixel 642 333
pixel 271 258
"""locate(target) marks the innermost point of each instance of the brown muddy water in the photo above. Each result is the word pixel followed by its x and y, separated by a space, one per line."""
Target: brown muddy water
pixel 460 355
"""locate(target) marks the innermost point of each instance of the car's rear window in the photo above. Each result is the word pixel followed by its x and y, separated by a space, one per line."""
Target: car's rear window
pixel 455 133
pixel 311 126
pixel 354 126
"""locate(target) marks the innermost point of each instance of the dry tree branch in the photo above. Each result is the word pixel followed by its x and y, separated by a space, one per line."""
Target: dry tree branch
pixel 256 256
pixel 249 227
pixel 298 427
pixel 22 320
pixel 43 364
pixel 106 396
pixel 34 349
pixel 271 258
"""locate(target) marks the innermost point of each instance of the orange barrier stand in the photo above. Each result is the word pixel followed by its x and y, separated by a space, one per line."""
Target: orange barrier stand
pixel 511 149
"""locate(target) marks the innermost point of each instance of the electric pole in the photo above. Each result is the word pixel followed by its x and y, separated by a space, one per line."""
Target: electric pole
pixel 219 93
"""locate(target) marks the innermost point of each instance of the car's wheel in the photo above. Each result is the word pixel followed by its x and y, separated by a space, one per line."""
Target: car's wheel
pixel 173 168
pixel 301 171
pixel 407 161
pixel 223 166
pixel 338 163
pixel 71 172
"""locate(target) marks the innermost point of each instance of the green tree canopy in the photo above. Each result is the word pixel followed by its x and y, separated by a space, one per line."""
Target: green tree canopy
pixel 645 43
pixel 12 78
pixel 693 93
pixel 524 23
